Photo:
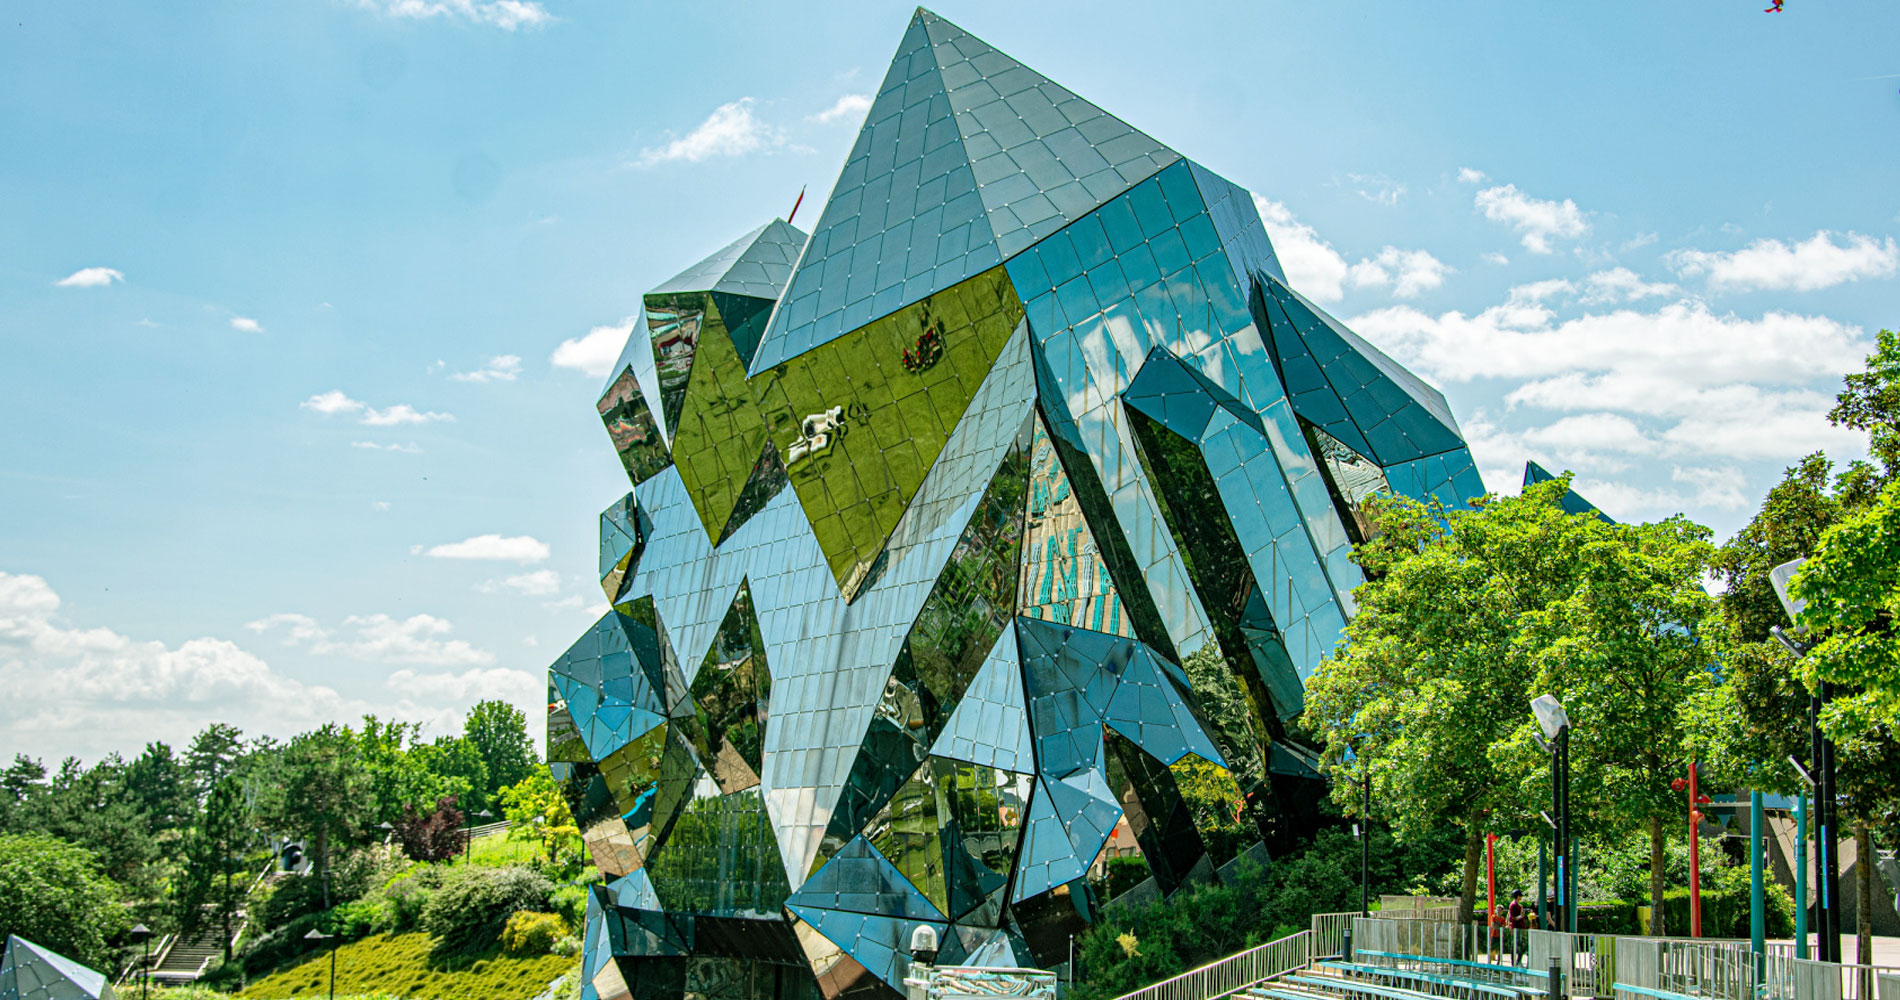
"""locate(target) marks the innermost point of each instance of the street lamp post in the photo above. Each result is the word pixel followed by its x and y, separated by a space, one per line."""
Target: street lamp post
pixel 388 830
pixel 1555 723
pixel 318 935
pixel 1819 775
pixel 142 935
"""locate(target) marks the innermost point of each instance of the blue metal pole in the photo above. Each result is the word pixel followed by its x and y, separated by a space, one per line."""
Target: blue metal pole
pixel 1801 876
pixel 1757 900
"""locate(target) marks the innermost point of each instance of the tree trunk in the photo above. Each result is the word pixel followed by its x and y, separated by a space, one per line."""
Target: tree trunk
pixel 1656 923
pixel 1865 875
pixel 323 860
pixel 1468 896
pixel 224 907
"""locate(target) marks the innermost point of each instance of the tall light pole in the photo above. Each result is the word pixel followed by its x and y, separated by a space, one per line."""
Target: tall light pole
pixel 1819 775
pixel 468 833
pixel 1555 723
pixel 318 935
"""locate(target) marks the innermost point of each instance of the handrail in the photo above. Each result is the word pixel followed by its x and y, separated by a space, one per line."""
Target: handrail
pixel 1238 971
pixel 1647 992
pixel 1461 963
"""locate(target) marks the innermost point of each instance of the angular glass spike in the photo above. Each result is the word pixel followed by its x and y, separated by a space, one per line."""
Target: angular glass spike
pixel 636 437
pixel 1351 478
pixel 621 539
pixel 1064 578
pixel 1159 817
pixel 731 693
pixel 722 857
pixel 718 429
pixel 1572 502
pixel 1042 156
pixel 904 220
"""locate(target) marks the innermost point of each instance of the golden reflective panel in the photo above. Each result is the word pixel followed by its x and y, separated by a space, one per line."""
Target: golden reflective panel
pixel 718 435
pixel 860 420
pixel 730 697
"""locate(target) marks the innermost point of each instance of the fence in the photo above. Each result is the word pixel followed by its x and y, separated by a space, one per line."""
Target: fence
pixel 976 983
pixel 1785 977
pixel 1218 979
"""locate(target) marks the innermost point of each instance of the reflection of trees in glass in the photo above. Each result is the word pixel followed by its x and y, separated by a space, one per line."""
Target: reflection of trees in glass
pixel 721 857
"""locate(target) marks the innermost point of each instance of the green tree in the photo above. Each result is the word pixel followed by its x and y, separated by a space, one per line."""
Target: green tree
pixel 57 897
pixel 537 808
pixel 1870 401
pixel 1852 588
pixel 499 733
pixel 214 883
pixel 456 768
pixel 1624 650
pixel 215 752
pixel 321 792
pixel 1432 675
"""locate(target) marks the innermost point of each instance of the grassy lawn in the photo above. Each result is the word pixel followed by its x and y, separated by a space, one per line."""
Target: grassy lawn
pixel 498 850
pixel 399 965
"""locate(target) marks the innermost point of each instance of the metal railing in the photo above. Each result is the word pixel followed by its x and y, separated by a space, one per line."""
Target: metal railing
pixel 1235 972
pixel 1785 977
pixel 1329 933
pixel 960 982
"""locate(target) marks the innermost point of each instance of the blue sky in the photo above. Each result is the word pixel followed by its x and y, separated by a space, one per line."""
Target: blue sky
pixel 303 305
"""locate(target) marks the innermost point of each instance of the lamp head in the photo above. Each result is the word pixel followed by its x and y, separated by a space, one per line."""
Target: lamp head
pixel 1780 577
pixel 923 944
pixel 139 933
pixel 1551 717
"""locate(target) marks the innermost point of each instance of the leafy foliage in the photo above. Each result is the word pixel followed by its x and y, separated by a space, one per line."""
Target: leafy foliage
pixel 435 835
pixel 467 913
pixel 57 897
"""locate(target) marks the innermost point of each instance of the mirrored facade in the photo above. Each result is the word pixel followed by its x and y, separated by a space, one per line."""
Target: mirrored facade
pixel 1009 509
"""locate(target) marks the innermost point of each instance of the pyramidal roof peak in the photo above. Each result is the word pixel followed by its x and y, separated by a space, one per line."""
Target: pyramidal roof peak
pixel 967 157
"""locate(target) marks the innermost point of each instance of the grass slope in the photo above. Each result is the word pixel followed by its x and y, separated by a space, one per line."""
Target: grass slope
pixel 399 965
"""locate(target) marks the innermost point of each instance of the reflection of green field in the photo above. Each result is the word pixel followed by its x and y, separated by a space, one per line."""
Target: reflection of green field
pixel 855 489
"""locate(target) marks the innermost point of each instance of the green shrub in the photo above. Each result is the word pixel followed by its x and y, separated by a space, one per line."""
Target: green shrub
pixel 570 901
pixel 467 913
pixel 529 933
pixel 407 895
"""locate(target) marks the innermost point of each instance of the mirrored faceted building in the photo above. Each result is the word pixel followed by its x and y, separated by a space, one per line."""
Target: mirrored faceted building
pixel 970 534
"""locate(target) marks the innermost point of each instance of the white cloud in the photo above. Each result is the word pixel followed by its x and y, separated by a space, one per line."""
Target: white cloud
pixel 334 402
pixel 731 130
pixel 539 583
pixel 331 403
pixel 379 505
pixel 1637 242
pixel 1620 284
pixel 86 691
pixel 1414 271
pixel 408 449
pixel 245 324
pixel 1537 222
pixel 595 352
pixel 377 638
pixel 500 368
pixel 1312 266
pixel 1467 175
pixel 1707 384
pixel 507 15
pixel 1717 488
pixel 1815 263
pixel 90 277
pixel 1494 258
pixel 848 106
pixel 403 413
pixel 515 548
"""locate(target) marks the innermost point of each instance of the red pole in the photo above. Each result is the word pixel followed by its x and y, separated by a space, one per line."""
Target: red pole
pixel 1491 880
pixel 1695 859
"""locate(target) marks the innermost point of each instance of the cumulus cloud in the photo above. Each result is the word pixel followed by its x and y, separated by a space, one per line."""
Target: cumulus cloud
pixel 500 368
pixel 376 638
pixel 1312 266
pixel 1468 175
pixel 245 324
pixel 515 548
pixel 332 403
pixel 90 277
pixel 85 691
pixel 470 686
pixel 1771 265
pixel 595 352
pixel 1408 272
pixel 539 583
pixel 1620 284
pixel 1680 381
pixel 507 15
pixel 1537 222
pixel 850 106
pixel 408 449
pixel 731 130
